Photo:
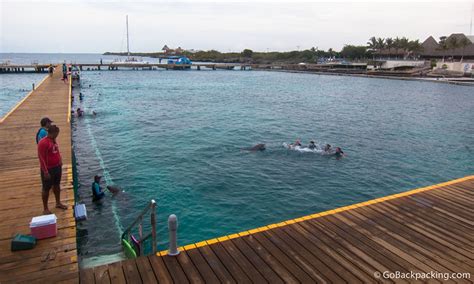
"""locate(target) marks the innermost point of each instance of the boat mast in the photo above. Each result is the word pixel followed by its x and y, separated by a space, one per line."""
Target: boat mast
pixel 472 12
pixel 128 44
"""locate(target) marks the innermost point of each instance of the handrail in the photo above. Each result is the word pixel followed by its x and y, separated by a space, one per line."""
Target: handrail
pixel 138 220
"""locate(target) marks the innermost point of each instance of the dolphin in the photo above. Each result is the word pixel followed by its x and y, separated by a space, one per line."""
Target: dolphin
pixel 258 147
pixel 113 189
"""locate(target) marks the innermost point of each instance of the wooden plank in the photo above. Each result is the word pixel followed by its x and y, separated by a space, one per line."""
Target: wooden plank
pixel 299 273
pixel 101 274
pixel 146 272
pixel 242 261
pixel 237 273
pixel 202 266
pixel 130 271
pixel 116 273
pixel 311 264
pixel 159 267
pixel 267 272
pixel 219 269
pixel 87 276
pixel 175 269
pixel 189 268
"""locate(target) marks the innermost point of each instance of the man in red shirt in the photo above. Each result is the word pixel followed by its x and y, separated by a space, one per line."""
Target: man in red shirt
pixel 51 164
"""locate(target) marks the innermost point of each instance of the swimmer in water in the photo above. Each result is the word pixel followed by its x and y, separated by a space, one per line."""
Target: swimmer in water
pixel 339 153
pixel 79 112
pixel 81 96
pixel 311 145
pixel 327 148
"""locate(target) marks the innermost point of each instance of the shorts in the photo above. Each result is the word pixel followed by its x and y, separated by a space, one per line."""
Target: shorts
pixel 55 178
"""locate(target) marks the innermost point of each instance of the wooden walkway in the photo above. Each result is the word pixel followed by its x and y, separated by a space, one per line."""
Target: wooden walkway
pixel 423 230
pixel 53 259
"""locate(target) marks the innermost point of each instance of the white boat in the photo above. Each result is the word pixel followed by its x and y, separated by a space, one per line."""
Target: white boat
pixel 130 60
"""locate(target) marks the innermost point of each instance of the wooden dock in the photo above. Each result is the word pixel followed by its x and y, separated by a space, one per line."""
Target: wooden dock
pixel 426 230
pixel 54 259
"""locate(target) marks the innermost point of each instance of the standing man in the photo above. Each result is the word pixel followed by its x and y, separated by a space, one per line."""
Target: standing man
pixel 64 72
pixel 51 168
pixel 43 131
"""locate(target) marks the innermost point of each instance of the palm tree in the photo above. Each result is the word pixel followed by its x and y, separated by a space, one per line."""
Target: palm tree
pixel 380 43
pixel 372 46
pixel 389 44
pixel 453 43
pixel 443 46
pixel 397 45
pixel 404 46
pixel 414 46
pixel 463 43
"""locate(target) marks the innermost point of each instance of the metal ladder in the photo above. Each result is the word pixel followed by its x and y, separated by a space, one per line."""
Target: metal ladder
pixel 127 234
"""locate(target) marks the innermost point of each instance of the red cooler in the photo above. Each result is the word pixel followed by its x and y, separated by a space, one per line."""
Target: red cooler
pixel 43 227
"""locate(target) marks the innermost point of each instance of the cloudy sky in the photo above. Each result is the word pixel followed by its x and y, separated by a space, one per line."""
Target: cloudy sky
pixel 99 26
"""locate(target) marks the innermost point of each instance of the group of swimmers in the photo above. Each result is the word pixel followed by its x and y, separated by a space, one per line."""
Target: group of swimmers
pixel 327 149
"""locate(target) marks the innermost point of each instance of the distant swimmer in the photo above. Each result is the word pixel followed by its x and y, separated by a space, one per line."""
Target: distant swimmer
pixel 94 113
pixel 327 148
pixel 297 143
pixel 339 153
pixel 79 112
pixel 312 145
pixel 81 96
pixel 258 147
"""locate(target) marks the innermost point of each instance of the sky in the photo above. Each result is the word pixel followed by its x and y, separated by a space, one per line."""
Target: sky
pixel 97 26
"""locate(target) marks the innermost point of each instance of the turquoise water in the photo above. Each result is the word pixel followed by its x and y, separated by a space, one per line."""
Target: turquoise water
pixel 14 87
pixel 176 137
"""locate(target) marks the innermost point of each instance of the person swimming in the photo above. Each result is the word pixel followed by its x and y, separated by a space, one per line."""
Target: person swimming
pixel 79 112
pixel 311 145
pixel 339 153
pixel 81 96
pixel 327 148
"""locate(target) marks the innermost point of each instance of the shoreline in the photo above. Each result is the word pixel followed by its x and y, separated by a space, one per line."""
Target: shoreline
pixel 421 79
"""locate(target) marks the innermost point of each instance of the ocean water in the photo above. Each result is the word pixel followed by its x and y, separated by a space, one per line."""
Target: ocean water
pixel 177 137
pixel 14 87
pixel 46 58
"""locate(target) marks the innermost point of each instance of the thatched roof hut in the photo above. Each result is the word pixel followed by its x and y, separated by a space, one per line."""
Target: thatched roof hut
pixel 433 49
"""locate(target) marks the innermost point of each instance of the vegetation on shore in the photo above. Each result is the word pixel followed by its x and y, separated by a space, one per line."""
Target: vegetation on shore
pixel 399 47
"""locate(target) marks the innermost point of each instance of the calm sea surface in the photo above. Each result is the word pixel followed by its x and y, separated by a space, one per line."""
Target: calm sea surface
pixel 176 137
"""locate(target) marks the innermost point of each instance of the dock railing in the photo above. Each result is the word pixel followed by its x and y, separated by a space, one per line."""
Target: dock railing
pixel 129 242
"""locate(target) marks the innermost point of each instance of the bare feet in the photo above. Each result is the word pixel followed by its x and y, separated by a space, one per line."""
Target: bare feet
pixel 61 206
pixel 46 212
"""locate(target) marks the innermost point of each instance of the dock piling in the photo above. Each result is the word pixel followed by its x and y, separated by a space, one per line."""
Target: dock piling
pixel 173 230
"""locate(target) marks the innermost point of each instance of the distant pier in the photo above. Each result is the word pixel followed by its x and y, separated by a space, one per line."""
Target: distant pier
pixel 43 68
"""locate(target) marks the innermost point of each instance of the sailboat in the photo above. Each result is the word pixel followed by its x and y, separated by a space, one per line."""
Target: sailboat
pixel 129 59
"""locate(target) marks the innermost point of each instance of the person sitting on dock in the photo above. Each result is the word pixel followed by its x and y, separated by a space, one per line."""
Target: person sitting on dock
pixel 97 192
pixel 51 168
pixel 43 131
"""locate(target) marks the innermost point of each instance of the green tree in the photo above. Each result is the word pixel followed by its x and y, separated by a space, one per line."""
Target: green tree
pixel 354 52
pixel 414 47
pixel 389 45
pixel 247 53
pixel 443 45
pixel 453 43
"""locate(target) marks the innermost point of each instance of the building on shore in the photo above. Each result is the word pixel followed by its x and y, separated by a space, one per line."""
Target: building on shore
pixel 169 51
pixel 453 47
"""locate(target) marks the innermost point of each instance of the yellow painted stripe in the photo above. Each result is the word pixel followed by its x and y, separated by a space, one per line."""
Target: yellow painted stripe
pixel 317 215
pixel 24 99
pixel 70 98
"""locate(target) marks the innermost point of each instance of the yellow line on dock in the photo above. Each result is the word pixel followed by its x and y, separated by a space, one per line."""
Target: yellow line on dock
pixel 317 215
